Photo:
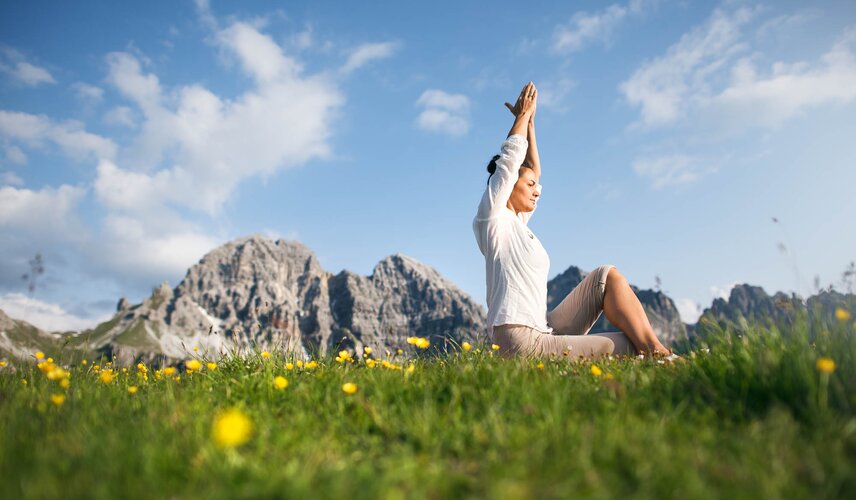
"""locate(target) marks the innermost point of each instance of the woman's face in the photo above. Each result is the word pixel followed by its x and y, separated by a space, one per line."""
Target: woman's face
pixel 526 192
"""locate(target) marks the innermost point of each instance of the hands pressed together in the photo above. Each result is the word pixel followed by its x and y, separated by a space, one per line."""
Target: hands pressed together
pixel 526 103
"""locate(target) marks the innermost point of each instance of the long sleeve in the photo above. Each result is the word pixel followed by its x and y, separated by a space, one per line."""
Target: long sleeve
pixel 502 182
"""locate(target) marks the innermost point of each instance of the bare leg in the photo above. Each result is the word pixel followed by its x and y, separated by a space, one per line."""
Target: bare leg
pixel 623 309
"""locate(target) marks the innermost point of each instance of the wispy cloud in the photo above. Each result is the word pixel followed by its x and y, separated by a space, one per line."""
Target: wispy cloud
pixel 672 170
pixel 585 28
pixel 366 53
pixel 444 113
pixel 44 315
pixel 37 131
pixel 15 65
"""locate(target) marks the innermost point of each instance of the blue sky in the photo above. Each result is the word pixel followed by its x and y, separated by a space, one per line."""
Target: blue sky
pixel 136 137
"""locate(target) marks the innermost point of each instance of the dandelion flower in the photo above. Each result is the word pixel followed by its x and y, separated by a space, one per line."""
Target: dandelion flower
pixel 64 383
pixel 825 365
pixel 466 346
pixel 311 364
pixel 398 352
pixel 106 376
pixel 193 364
pixel 231 428
pixel 371 363
pixel 842 314
pixel 596 371
pixel 83 362
pixel 58 399
pixel 349 388
pixel 300 364
pixel 280 382
pixel 345 355
pixel 40 355
pixel 367 350
pixel 2 364
pixel 265 354
pixel 540 366
pixel 169 371
pixel 412 340
pixel 423 343
pixel 495 347
pixel 211 366
pixel 289 366
pixel 132 389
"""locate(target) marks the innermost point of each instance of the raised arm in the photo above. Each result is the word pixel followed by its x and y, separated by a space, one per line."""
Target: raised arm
pixel 532 157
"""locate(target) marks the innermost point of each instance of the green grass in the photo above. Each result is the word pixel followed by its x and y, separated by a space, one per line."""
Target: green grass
pixel 751 418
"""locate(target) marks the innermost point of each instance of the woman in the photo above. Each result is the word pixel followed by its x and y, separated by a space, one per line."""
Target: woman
pixel 517 266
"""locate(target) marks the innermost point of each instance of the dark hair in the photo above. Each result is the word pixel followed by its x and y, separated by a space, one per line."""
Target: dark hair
pixel 491 167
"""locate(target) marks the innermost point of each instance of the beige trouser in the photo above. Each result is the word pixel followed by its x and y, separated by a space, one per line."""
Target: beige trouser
pixel 571 321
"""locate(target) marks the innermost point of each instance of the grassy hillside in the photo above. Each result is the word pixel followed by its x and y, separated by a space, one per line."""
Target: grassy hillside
pixel 755 413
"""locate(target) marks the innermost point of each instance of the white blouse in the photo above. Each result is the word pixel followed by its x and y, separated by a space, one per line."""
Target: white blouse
pixel 516 264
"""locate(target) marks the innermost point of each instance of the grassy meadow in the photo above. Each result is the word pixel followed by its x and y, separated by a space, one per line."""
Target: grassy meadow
pixel 755 413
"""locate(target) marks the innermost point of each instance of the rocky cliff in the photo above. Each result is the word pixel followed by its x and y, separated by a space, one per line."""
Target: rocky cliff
pixel 254 292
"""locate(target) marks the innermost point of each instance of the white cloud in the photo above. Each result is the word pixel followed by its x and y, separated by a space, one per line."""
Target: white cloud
pixel 366 53
pixel 258 54
pixel 44 315
pixel 46 210
pixel 14 64
pixel 444 113
pixel 788 89
pixel 120 115
pixel 665 87
pixel 15 155
pixel 88 92
pixel 10 179
pixel 70 136
pixel 553 94
pixel 585 27
pixel 709 76
pixel 689 310
pixel 672 170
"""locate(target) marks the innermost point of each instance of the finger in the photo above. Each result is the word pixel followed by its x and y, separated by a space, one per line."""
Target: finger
pixel 510 107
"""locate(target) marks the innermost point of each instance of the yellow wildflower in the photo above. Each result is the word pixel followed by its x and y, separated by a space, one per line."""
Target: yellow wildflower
pixel 58 399
pixel 57 373
pixel 423 343
pixel 195 348
pixel 289 366
pixel 825 365
pixel 178 378
pixel 141 367
pixel 466 346
pixel 540 366
pixel 345 355
pixel 842 314
pixel 231 428
pixel 24 381
pixel 265 354
pixel 495 347
pixel 410 368
pixel 83 362
pixel 107 376
pixel 40 355
pixel 169 371
pixel 2 364
pixel 280 382
pixel 211 366
pixel 193 364
pixel 412 340
pixel 300 364
pixel 311 364
pixel 64 383
pixel 367 350
pixel 371 363
pixel 132 389
pixel 596 371
pixel 398 351
pixel 349 388
pixel 608 376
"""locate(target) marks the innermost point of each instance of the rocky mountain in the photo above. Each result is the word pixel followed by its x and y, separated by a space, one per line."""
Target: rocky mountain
pixel 751 304
pixel 275 295
pixel 660 309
